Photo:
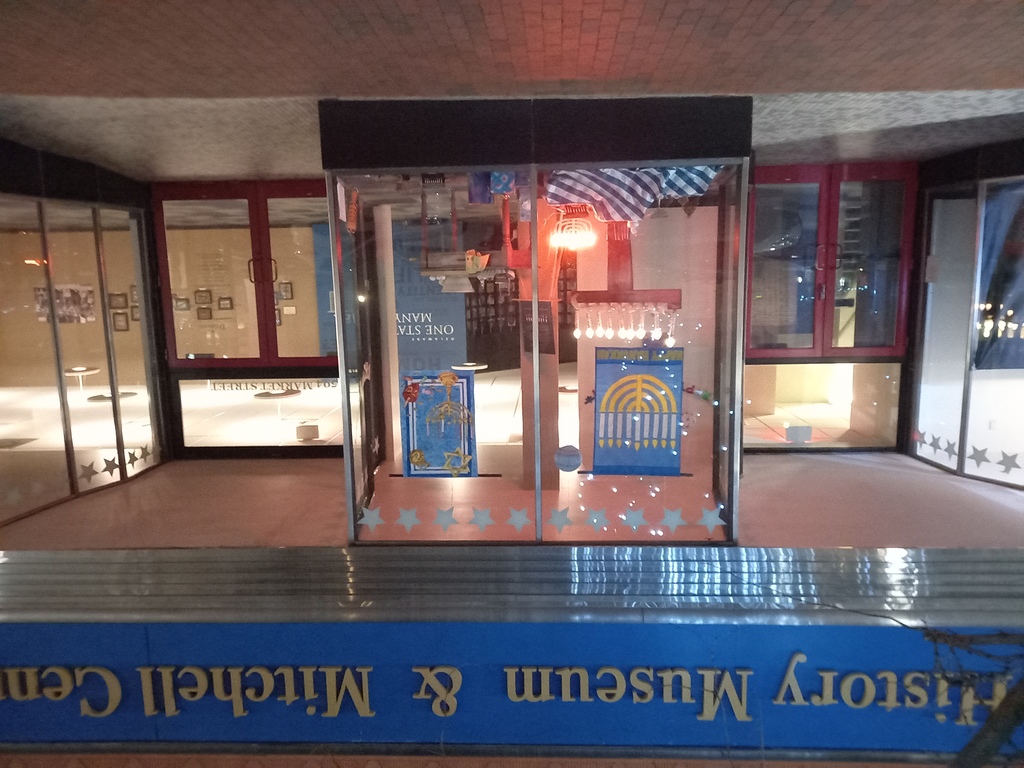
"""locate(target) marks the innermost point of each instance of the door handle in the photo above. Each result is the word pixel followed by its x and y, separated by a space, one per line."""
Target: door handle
pixel 252 274
pixel 273 267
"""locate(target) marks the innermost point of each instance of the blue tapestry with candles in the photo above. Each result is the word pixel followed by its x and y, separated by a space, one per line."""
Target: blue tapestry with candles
pixel 438 430
pixel 638 399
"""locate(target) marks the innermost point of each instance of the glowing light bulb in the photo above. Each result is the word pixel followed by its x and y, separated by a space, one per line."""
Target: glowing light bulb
pixel 622 331
pixel 576 332
pixel 670 340
pixel 600 326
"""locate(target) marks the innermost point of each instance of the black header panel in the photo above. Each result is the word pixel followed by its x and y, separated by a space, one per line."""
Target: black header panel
pixel 991 161
pixel 414 134
pixel 27 171
pixel 495 133
pixel 637 130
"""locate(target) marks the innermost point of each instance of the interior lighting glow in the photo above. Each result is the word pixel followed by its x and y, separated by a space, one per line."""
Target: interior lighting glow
pixel 573 234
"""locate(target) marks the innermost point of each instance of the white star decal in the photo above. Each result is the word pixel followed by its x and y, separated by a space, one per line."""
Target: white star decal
pixel 673 519
pixel 710 519
pixel 371 518
pixel 560 518
pixel 445 518
pixel 634 518
pixel 517 519
pixel 482 518
pixel 597 519
pixel 407 519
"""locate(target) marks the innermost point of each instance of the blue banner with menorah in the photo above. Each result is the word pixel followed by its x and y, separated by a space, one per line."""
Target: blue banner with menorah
pixel 438 433
pixel 638 410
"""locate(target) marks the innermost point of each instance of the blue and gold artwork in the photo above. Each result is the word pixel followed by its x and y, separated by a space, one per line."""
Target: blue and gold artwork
pixel 438 431
pixel 639 407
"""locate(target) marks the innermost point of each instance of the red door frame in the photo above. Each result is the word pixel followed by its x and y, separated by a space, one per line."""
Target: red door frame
pixel 256 193
pixel 829 178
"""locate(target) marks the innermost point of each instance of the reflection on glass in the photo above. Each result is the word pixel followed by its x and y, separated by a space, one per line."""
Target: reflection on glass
pixel 76 288
pixel 949 285
pixel 627 300
pixel 785 252
pixel 995 419
pixel 638 409
pixel 209 255
pixel 302 270
pixel 867 282
pixel 119 232
pixel 33 464
pixel 821 405
pixel 265 411
pixel 433 343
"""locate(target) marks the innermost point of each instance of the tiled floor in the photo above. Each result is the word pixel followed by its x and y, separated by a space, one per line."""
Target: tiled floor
pixel 829 425
pixel 818 500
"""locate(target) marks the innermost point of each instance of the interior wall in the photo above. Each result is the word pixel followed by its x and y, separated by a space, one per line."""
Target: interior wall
pixel 22 333
pixel 298 335
pixel 216 260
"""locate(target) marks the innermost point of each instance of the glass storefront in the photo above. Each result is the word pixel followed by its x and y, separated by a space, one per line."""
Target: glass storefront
pixel 540 358
pixel 970 415
pixel 71 324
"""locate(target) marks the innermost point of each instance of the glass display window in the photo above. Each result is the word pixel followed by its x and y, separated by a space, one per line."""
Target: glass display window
pixel 532 362
pixel 248 272
pixel 968 413
pixel 829 261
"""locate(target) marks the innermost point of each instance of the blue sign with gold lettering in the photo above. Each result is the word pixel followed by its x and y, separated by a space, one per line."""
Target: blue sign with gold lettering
pixel 629 685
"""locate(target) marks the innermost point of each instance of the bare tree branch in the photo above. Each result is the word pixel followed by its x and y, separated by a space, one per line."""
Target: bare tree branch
pixel 995 732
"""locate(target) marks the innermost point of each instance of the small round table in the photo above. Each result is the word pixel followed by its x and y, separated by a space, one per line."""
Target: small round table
pixel 470 367
pixel 80 372
pixel 278 396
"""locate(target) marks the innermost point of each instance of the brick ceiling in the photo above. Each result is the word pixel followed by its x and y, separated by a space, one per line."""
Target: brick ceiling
pixel 147 87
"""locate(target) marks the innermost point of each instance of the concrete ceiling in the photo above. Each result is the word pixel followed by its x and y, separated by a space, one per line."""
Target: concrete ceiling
pixel 227 89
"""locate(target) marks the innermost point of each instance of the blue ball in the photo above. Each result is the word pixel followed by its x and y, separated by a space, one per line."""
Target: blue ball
pixel 568 458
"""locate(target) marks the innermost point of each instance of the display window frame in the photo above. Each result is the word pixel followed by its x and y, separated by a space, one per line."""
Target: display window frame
pixel 256 194
pixel 829 179
pixel 727 366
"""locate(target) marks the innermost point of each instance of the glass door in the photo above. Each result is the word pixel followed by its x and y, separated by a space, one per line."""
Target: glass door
pixel 787 262
pixel 250 274
pixel 870 241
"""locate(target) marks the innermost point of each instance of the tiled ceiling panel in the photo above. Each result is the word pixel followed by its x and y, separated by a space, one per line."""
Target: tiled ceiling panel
pixel 228 89
pixel 365 48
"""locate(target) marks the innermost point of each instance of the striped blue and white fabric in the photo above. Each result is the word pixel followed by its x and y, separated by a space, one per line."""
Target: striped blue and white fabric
pixel 625 194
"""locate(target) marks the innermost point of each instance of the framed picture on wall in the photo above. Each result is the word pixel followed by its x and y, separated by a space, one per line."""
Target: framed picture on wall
pixel 225 302
pixel 133 294
pixel 117 300
pixel 120 320
pixel 285 290
pixel 203 297
pixel 204 313
pixel 181 304
pixel 136 313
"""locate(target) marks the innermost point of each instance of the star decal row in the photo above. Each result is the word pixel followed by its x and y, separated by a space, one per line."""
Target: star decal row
pixel 1008 461
pixel 110 466
pixel 559 518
